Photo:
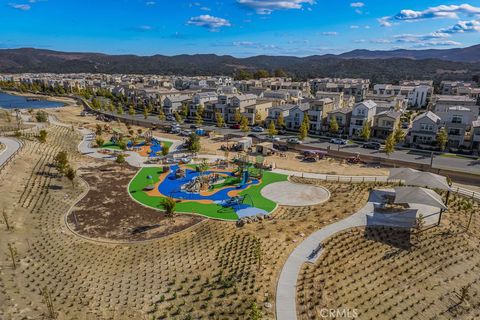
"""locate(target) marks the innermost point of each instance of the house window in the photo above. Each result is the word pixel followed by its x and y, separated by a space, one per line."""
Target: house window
pixel 361 112
pixel 454 132
pixel 359 122
pixel 426 127
pixel 456 118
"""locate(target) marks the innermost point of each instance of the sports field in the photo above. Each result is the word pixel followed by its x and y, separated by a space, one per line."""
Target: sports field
pixel 210 210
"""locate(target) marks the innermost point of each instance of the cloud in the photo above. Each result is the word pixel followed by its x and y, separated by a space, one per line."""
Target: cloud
pixel 144 28
pixel 23 7
pixel 357 4
pixel 330 33
pixel 434 39
pixel 442 11
pixel 210 22
pixel 354 27
pixel 462 27
pixel 268 6
pixel 150 3
pixel 446 43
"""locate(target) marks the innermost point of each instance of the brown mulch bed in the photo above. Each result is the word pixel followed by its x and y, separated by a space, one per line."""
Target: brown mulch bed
pixel 108 212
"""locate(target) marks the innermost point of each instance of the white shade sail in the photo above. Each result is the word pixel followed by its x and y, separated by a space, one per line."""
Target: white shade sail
pixel 419 196
pixel 413 177
pixel 402 173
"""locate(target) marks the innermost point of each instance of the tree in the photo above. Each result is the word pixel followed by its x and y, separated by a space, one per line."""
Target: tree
pixel 244 124
pixel 131 110
pixel 243 75
pixel 255 313
pixel 42 136
pixel 178 117
pixel 259 74
pixel 220 120
pixel 333 126
pixel 198 118
pixel 161 114
pixel 120 158
pixel 120 110
pixel 303 131
pixel 258 118
pixel 366 130
pixel 145 112
pixel 280 73
pixel 13 254
pixel 272 131
pixel 70 173
pixel 61 161
pixel 41 116
pixel 399 134
pixel 165 150
pixel 281 121
pixel 442 138
pixel 390 144
pixel 184 110
pixel 193 143
pixel 99 141
pixel 98 130
pixel 122 145
pixel 169 205
pixel 237 116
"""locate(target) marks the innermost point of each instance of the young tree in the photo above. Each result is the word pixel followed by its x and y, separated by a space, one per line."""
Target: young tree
pixel 99 141
pixel 178 117
pixel 220 120
pixel 193 143
pixel 161 114
pixel 120 158
pixel 13 254
pixel 281 121
pixel 184 110
pixel 131 110
pixel 61 161
pixel 198 118
pixel 399 134
pixel 366 130
pixel 272 131
pixel 237 116
pixel 169 205
pixel 244 124
pixel 255 313
pixel 70 173
pixel 333 126
pixel 303 131
pixel 122 145
pixel 258 118
pixel 145 112
pixel 42 136
pixel 442 138
pixel 390 144
pixel 98 130
pixel 120 110
pixel 165 150
pixel 41 116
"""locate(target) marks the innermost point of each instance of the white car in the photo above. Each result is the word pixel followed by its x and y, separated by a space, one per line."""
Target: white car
pixel 258 129
pixel 338 141
pixel 294 141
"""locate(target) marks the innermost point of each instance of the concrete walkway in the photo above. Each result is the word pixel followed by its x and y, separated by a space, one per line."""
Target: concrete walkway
pixel 11 146
pixel 309 250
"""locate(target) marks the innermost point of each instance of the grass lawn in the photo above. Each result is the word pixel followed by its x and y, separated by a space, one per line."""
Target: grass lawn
pixel 110 145
pixel 208 210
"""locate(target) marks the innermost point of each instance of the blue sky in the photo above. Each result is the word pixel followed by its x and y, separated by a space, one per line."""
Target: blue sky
pixel 237 27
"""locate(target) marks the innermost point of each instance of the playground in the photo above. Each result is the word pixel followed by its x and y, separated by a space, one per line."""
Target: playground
pixel 146 146
pixel 222 190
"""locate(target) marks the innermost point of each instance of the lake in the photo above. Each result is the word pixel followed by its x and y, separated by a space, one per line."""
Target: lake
pixel 9 101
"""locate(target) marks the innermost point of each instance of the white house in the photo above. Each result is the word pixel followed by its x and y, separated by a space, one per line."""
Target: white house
pixel 361 113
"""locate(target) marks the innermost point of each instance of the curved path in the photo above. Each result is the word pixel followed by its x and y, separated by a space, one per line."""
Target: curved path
pixel 310 249
pixel 11 146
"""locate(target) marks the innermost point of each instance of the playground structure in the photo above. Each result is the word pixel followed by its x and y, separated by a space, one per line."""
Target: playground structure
pixel 145 144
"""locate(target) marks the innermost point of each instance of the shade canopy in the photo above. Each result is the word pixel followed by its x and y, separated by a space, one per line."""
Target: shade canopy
pixel 418 195
pixel 417 178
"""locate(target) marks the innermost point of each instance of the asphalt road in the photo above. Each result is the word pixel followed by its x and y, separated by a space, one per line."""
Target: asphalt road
pixel 440 162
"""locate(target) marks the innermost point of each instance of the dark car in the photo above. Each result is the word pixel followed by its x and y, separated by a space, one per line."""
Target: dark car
pixel 194 126
pixel 372 145
pixel 235 126
pixel 188 120
pixel 282 131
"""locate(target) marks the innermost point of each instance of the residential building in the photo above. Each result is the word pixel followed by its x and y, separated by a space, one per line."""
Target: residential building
pixel 384 123
pixel 260 108
pixel 173 104
pixel 337 98
pixel 476 135
pixel 357 88
pixel 317 114
pixel 343 117
pixel 362 112
pixel 424 129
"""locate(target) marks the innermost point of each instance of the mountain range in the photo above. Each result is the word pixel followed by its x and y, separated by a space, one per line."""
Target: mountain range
pixel 379 66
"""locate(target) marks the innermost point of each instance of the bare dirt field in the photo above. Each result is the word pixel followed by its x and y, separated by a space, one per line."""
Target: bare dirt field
pixel 107 212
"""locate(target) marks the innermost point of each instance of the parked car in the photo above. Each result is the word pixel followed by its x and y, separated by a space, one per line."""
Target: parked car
pixel 188 120
pixel 338 141
pixel 258 129
pixel 175 130
pixel 282 131
pixel 273 138
pixel 170 118
pixel 280 147
pixel 253 135
pixel 194 126
pixel 235 126
pixel 372 145
pixel 294 141
pixel 185 133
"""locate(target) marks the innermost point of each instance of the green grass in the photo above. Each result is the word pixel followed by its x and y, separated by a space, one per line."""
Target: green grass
pixel 453 155
pixel 208 210
pixel 110 145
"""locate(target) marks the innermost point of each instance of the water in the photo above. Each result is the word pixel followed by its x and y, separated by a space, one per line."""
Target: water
pixel 9 101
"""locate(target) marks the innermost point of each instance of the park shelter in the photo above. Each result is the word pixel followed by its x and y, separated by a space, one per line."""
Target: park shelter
pixel 413 177
pixel 419 195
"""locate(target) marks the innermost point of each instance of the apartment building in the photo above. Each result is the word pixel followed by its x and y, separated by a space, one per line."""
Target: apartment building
pixel 418 95
pixel 384 123
pixel 343 117
pixel 424 129
pixel 357 88
pixel 317 114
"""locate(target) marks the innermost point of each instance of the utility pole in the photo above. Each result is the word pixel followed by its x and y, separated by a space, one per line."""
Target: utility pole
pixel 5 219
pixel 47 299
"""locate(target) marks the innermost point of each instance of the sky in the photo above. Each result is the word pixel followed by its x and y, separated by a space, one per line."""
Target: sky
pixel 237 27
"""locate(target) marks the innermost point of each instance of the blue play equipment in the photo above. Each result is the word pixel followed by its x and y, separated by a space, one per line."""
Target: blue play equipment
pixel 244 178
pixel 155 148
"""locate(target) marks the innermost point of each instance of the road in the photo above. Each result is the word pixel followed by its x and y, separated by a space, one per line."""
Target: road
pixel 11 146
pixel 461 164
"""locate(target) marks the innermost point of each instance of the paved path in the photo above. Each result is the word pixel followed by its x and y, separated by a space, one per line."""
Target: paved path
pixel 11 146
pixel 310 249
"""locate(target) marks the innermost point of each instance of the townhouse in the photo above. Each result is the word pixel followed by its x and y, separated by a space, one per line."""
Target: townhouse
pixel 362 112
pixel 424 129
pixel 317 114
pixel 343 117
pixel 384 123
pixel 356 88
